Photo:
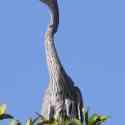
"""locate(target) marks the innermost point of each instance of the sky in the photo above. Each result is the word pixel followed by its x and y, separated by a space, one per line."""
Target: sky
pixel 91 45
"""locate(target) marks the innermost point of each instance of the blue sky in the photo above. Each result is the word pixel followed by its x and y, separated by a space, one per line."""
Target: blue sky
pixel 91 45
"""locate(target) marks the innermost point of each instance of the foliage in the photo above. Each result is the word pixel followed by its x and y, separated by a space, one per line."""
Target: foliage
pixel 94 119
pixel 3 114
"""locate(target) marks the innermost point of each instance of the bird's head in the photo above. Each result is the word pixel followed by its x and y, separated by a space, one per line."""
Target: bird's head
pixel 53 7
pixel 48 2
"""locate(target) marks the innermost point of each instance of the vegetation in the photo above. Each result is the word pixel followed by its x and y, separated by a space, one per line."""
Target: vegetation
pixel 94 119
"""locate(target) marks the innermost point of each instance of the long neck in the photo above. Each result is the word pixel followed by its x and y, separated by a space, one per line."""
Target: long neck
pixel 54 64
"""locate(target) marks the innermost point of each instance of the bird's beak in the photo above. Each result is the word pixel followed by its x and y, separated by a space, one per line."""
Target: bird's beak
pixel 44 1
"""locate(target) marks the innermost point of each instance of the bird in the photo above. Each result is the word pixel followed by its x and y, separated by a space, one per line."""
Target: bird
pixel 62 98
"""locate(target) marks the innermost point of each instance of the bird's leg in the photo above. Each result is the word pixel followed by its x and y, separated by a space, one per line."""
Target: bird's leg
pixel 67 107
pixel 51 112
pixel 70 108
pixel 79 103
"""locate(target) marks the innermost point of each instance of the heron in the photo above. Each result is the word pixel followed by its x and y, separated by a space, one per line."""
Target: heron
pixel 62 98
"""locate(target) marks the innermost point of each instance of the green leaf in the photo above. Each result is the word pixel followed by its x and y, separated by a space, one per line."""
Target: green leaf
pixel 103 118
pixel 73 122
pixel 92 120
pixel 96 119
pixel 39 119
pixel 14 122
pixel 86 117
pixel 49 122
pixel 29 122
pixel 3 108
pixel 6 116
